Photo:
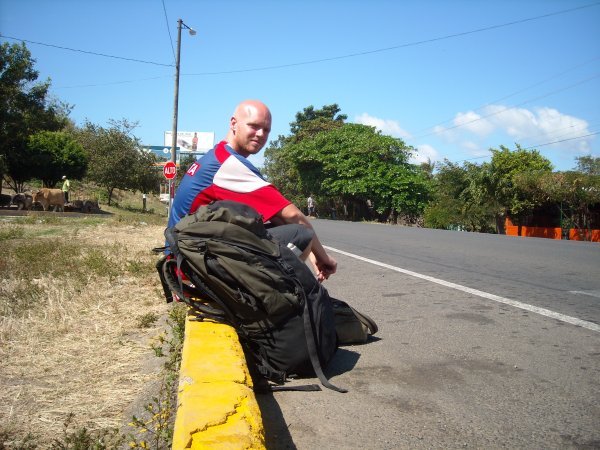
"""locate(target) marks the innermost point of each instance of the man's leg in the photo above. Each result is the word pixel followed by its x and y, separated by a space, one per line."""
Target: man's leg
pixel 297 238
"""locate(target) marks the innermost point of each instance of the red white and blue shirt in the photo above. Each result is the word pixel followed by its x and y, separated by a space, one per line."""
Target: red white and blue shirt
pixel 223 174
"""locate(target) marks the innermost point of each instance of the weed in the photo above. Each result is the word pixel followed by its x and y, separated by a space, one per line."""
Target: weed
pixel 47 232
pixel 99 264
pixel 147 320
pixel 10 442
pixel 82 439
pixel 12 232
pixel 16 302
pixel 47 219
pixel 44 256
pixel 137 267
pixel 157 346
pixel 155 429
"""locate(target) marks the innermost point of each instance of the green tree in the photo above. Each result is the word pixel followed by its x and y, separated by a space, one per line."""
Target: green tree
pixel 146 175
pixel 312 120
pixel 278 166
pixel 503 170
pixel 588 164
pixel 353 165
pixel 445 209
pixel 116 160
pixel 54 154
pixel 344 166
pixel 460 199
pixel 25 108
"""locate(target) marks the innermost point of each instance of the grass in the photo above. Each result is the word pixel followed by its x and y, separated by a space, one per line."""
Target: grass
pixel 81 308
pixel 155 425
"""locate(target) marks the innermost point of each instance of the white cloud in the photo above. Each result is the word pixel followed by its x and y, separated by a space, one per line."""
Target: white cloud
pixel 516 122
pixel 496 125
pixel 530 127
pixel 474 123
pixel 386 126
pixel 554 126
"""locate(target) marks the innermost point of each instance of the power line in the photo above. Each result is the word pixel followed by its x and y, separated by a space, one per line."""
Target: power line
pixel 168 30
pixel 87 52
pixel 110 83
pixel 315 61
pixel 395 47
pixel 562 140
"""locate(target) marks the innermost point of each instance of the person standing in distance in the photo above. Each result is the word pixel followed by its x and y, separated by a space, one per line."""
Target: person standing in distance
pixel 66 187
pixel 225 173
pixel 311 205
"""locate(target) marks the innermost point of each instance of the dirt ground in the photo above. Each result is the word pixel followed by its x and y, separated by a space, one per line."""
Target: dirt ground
pixel 83 349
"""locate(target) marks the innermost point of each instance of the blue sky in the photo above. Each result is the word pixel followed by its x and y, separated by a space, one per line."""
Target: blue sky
pixel 451 78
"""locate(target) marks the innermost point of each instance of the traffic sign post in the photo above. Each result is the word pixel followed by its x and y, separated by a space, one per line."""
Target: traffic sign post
pixel 170 171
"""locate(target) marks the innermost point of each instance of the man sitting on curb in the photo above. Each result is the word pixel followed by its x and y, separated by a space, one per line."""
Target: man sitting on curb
pixel 225 173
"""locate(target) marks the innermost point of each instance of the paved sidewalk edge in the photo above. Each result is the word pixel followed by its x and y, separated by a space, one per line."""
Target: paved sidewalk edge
pixel 217 407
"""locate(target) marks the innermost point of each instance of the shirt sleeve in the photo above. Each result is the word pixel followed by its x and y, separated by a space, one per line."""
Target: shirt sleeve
pixel 240 181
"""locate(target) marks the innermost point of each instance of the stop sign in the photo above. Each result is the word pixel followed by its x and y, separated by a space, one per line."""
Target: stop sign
pixel 170 170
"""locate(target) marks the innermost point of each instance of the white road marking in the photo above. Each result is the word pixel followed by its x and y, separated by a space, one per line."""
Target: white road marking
pixel 535 309
pixel 591 293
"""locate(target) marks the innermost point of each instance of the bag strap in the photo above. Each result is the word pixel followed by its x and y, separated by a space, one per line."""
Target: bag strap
pixel 312 350
pixel 159 268
pixel 366 321
pixel 303 388
pixel 222 313
pixel 178 288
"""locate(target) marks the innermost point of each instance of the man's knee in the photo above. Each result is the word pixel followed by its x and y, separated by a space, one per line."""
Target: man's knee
pixel 297 238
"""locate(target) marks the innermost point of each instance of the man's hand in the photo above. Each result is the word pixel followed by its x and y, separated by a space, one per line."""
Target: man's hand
pixel 325 268
pixel 324 265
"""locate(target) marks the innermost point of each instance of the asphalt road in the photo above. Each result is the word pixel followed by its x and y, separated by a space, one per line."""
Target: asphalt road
pixel 484 342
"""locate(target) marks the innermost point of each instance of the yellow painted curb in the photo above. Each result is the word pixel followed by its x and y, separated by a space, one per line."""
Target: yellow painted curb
pixel 217 408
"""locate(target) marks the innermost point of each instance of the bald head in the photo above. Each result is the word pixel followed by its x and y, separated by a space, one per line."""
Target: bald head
pixel 249 127
pixel 251 108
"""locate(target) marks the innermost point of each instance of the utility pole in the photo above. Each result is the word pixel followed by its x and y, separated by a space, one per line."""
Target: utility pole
pixel 180 24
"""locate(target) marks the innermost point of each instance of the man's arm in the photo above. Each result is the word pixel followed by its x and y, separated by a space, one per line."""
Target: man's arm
pixel 325 265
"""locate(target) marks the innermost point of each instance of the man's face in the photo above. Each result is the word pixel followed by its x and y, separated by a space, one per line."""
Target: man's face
pixel 251 127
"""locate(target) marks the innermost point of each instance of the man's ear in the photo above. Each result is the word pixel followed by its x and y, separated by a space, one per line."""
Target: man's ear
pixel 233 123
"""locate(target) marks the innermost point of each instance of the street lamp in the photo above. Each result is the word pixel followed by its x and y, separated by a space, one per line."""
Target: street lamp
pixel 180 24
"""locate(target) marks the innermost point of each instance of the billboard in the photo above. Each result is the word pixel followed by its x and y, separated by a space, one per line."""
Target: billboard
pixel 192 141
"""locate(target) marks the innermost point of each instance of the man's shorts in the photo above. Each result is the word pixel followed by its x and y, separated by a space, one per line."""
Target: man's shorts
pixel 296 237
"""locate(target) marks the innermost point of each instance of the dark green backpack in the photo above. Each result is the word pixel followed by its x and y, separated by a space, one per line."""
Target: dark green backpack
pixel 225 265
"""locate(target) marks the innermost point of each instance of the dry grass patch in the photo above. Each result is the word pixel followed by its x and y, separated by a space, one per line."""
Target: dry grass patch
pixel 79 301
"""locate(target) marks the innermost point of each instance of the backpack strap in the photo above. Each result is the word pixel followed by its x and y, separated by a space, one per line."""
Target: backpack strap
pixel 177 286
pixel 303 388
pixel 312 350
pixel 366 320
pixel 201 289
pixel 159 268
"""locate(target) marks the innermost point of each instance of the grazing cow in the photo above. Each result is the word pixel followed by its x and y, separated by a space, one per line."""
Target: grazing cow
pixel 50 197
